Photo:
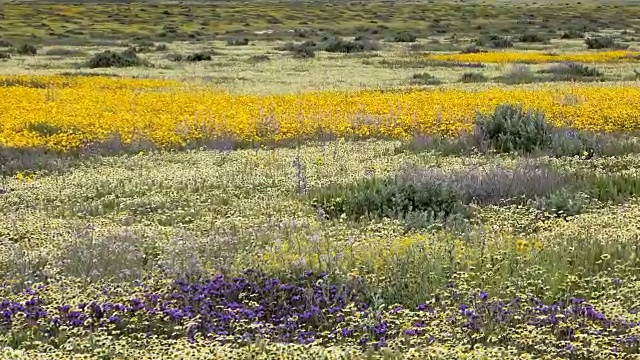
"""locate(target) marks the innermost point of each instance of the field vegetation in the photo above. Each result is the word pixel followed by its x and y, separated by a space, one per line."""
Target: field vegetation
pixel 322 180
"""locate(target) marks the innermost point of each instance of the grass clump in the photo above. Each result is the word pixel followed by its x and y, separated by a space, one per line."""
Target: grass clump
pixel 27 49
pixel 424 79
pixel 405 36
pixel 195 57
pixel 339 45
pixel 517 74
pixel 110 58
pixel 472 77
pixel 392 197
pixel 303 50
pixel 494 42
pixel 530 37
pixel 603 42
pixel 571 71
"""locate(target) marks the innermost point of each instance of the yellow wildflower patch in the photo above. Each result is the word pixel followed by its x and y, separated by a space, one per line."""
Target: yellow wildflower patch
pixel 68 113
pixel 539 57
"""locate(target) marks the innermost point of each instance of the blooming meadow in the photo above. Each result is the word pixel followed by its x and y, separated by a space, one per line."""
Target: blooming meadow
pixel 150 218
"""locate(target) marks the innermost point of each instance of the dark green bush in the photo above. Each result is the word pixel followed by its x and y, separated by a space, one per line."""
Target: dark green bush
pixel 162 47
pixel 573 34
pixel 5 43
pixel 572 72
pixel 424 79
pixel 5 56
pixel 339 45
pixel 405 36
pixel 495 42
pixel 532 38
pixel 199 56
pixel 603 42
pixel 472 77
pixel 27 49
pixel 110 58
pixel 510 128
pixel 304 50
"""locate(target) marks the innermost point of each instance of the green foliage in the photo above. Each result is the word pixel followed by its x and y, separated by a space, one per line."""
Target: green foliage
pixel 5 43
pixel 424 79
pixel 495 42
pixel 530 37
pixel 27 49
pixel 510 128
pixel 161 47
pixel 572 72
pixel 338 45
pixel 199 56
pixel 110 58
pixel 393 197
pixel 563 203
pixel 5 55
pixel 304 50
pixel 573 34
pixel 472 77
pixel 405 36
pixel 603 42
pixel 518 74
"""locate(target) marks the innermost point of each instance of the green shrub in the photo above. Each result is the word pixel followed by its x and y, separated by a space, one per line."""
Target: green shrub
pixel 339 45
pixel 572 72
pixel 424 79
pixel 563 203
pixel 471 49
pixel 472 77
pixel 236 41
pixel 199 56
pixel 304 50
pixel 603 42
pixel 27 49
pixel 392 197
pixel 518 74
pixel 532 38
pixel 405 36
pixel 5 43
pixel 110 58
pixel 495 42
pixel 510 128
pixel 5 56
pixel 572 34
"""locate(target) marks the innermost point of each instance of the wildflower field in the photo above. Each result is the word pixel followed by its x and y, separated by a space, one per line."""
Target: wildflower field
pixel 208 189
